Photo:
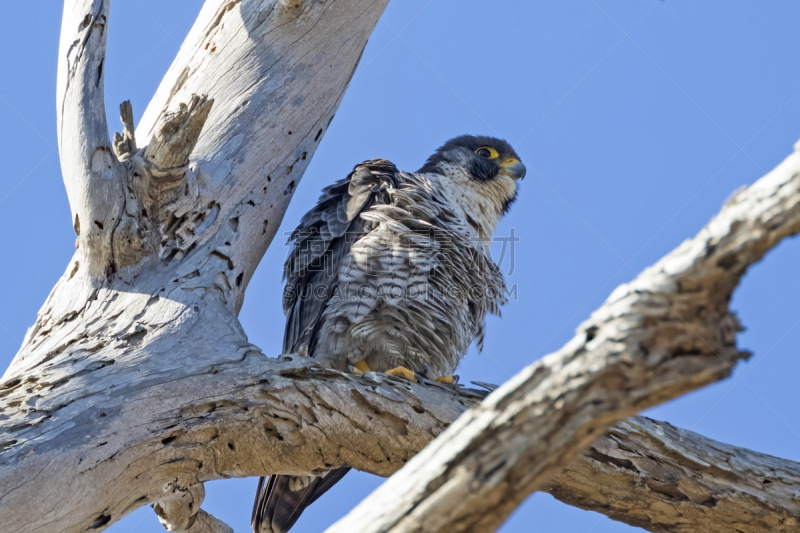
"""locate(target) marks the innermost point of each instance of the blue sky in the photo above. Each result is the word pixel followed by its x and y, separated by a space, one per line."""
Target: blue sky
pixel 636 120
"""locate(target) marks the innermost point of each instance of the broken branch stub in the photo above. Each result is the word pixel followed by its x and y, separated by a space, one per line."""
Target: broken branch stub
pixel 180 512
pixel 125 143
pixel 153 177
pixel 176 135
pixel 157 171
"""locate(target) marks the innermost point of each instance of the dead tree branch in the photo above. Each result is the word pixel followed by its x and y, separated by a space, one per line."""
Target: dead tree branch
pixel 669 480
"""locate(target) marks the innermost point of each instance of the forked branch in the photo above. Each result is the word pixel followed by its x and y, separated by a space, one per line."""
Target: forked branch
pixel 143 321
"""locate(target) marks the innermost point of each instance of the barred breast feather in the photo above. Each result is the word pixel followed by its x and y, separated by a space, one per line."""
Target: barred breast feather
pixel 384 270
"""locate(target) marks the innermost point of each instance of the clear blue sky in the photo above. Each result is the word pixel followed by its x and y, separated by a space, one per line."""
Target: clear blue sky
pixel 636 120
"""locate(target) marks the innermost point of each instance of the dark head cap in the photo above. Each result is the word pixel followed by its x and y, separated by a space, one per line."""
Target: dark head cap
pixel 483 157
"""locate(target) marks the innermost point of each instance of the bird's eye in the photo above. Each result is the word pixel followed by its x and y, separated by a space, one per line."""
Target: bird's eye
pixel 487 152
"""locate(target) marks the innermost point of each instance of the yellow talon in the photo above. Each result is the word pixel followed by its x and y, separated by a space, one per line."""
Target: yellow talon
pixel 360 367
pixel 446 379
pixel 402 372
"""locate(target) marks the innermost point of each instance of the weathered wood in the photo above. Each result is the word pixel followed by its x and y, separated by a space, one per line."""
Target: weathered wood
pixel 669 480
pixel 177 134
pixel 92 175
pixel 146 310
pixel 125 143
pixel 206 523
pixel 277 71
pixel 668 331
pixel 180 511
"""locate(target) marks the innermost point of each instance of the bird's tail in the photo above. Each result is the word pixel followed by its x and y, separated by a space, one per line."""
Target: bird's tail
pixel 280 500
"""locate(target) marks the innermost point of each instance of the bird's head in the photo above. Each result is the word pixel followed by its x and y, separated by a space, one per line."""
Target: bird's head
pixel 480 175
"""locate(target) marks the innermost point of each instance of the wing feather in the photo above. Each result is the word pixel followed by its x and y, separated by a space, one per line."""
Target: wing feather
pixel 321 242
pixel 280 500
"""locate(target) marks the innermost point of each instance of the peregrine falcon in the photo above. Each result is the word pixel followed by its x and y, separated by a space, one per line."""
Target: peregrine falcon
pixel 391 272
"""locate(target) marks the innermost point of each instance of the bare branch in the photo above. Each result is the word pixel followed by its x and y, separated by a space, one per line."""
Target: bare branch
pixel 133 425
pixel 669 480
pixel 667 332
pixel 92 174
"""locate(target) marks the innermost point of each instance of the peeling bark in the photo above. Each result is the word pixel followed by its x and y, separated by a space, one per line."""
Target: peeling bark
pixel 669 480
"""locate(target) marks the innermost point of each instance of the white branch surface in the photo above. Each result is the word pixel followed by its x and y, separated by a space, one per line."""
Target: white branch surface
pixel 666 332
pixel 276 71
pixel 92 174
pixel 665 479
pixel 140 334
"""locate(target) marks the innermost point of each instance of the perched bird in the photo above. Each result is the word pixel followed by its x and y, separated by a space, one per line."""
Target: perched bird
pixel 391 272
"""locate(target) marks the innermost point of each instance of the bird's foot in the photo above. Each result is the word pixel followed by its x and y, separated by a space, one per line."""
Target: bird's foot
pixel 360 367
pixel 422 375
pixel 403 372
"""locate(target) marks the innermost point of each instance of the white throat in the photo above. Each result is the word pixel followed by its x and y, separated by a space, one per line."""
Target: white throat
pixel 480 203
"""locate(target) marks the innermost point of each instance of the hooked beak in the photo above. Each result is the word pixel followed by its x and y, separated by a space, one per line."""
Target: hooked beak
pixel 513 168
